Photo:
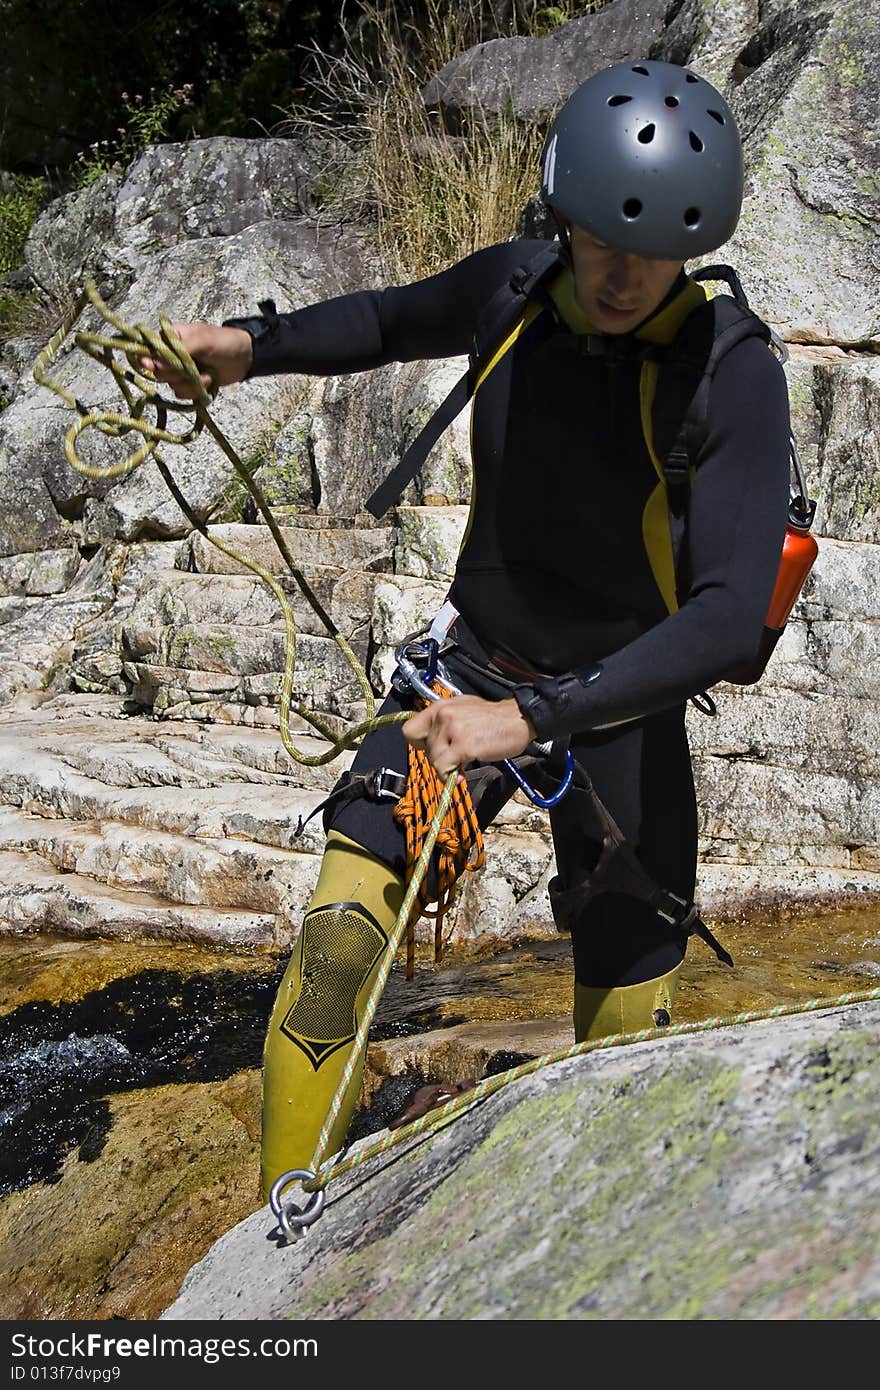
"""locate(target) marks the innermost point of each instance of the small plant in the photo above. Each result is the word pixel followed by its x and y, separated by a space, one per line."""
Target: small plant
pixel 541 19
pixel 14 306
pixel 148 121
pixel 19 204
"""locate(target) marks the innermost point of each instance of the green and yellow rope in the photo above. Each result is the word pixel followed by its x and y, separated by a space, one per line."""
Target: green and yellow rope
pixel 140 392
pixel 453 1109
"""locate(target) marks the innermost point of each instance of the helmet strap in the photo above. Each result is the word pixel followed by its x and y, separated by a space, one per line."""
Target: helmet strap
pixel 564 236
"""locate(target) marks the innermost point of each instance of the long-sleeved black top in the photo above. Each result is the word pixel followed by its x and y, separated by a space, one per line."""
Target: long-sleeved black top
pixel 566 559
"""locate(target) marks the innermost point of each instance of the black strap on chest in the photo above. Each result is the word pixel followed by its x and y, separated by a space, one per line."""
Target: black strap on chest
pixel 502 314
pixel 681 402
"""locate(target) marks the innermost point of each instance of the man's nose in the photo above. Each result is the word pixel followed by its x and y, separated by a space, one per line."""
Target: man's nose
pixel 624 273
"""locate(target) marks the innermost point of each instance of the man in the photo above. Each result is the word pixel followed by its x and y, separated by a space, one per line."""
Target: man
pixel 572 623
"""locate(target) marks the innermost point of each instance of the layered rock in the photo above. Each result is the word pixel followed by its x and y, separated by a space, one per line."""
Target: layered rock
pixel 110 603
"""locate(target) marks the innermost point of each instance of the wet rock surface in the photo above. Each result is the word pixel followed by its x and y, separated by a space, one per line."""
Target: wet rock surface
pixel 733 1175
pixel 130 1083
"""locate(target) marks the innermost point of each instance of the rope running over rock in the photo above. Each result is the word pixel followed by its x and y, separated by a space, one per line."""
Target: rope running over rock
pixel 455 1108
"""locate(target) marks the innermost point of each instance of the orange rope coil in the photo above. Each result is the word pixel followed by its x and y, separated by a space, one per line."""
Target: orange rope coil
pixel 459 842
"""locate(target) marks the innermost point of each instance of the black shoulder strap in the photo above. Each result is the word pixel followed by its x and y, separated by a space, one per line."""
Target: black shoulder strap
pixel 687 368
pixel 500 317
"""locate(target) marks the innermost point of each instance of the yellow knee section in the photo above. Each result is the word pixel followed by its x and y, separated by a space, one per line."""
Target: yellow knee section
pixel 600 1012
pixel 320 1003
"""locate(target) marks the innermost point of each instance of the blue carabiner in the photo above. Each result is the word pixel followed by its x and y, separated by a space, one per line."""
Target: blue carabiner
pixel 544 801
pixel 419 683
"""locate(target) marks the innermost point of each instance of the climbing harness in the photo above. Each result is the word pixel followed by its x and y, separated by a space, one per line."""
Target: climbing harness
pixel 420 672
pixel 619 870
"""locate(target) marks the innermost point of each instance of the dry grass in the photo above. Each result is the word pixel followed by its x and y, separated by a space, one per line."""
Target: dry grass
pixel 435 195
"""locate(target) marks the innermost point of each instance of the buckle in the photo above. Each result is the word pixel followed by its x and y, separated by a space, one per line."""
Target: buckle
pixel 779 346
pixel 676 465
pixel 385 784
pixel 681 913
pixel 686 916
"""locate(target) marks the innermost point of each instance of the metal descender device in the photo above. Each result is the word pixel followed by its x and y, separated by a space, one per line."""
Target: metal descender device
pixel 419 665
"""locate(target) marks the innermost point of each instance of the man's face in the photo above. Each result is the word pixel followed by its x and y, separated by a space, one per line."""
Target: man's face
pixel 617 290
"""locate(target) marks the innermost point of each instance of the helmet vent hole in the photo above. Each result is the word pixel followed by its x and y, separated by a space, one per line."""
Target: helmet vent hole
pixel 670 101
pixel 716 116
pixel 692 217
pixel 689 77
pixel 696 142
pixel 618 101
pixel 643 72
pixel 646 134
pixel 632 207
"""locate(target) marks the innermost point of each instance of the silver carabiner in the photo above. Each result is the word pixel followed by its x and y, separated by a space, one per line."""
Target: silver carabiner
pixel 413 677
pixel 414 680
pixel 292 1219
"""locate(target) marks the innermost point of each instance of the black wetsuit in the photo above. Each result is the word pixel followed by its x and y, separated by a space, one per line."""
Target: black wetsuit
pixel 566 562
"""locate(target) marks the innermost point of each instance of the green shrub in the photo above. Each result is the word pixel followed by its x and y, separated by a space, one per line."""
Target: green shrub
pixel 147 121
pixel 19 205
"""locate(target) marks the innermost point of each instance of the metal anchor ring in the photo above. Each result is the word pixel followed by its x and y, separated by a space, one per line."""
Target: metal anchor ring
pixel 292 1219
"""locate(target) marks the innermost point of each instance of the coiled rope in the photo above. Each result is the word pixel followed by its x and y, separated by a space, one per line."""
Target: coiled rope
pixel 459 841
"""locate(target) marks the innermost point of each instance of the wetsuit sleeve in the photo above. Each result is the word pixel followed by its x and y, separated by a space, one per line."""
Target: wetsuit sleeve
pixel 430 318
pixel 736 525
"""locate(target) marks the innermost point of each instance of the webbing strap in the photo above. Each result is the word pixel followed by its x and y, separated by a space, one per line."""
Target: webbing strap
pixel 501 315
pixel 402 474
pixel 681 402
pixel 619 870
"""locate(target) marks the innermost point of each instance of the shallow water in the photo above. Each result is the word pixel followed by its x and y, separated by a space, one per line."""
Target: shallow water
pixel 82 1020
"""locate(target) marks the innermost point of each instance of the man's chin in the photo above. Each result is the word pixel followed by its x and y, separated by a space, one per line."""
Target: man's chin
pixel 614 320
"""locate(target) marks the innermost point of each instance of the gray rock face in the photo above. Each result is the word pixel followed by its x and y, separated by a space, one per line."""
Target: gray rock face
pixel 807 108
pixel 104 590
pixel 168 195
pixel 532 77
pixel 71 233
pixel 729 1175
pixel 210 279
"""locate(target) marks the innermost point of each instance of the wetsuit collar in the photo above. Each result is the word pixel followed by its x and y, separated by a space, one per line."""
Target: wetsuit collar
pixel 660 327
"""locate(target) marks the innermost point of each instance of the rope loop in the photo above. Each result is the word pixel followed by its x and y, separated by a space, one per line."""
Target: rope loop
pixel 459 846
pixel 140 392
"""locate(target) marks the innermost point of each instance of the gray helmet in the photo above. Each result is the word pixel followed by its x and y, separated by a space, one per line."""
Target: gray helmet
pixel 647 157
